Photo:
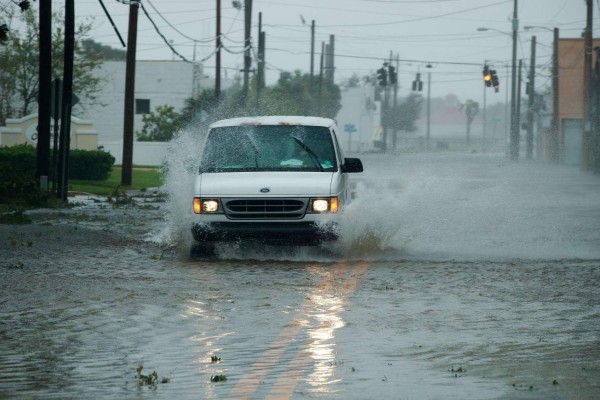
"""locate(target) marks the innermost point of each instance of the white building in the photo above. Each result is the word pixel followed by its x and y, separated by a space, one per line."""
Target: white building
pixel 358 119
pixel 156 83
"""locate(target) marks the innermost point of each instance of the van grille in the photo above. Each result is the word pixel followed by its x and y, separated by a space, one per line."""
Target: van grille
pixel 265 208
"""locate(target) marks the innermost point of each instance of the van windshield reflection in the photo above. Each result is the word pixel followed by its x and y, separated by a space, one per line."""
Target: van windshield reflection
pixel 269 148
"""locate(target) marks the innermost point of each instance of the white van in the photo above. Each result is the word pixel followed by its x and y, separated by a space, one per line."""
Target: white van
pixel 275 179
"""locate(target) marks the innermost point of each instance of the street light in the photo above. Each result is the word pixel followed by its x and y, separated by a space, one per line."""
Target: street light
pixel 485 29
pixel 508 129
pixel 514 124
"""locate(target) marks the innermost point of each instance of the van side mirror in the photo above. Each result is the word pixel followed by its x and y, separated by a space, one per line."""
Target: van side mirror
pixel 352 165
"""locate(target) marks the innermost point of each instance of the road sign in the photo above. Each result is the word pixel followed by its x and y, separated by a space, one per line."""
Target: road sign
pixel 349 128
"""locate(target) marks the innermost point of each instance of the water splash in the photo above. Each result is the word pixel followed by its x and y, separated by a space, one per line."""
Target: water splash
pixel 180 171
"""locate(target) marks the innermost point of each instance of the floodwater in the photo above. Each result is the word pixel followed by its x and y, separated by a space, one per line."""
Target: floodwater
pixel 459 276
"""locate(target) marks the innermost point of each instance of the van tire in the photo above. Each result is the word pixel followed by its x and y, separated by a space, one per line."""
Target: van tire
pixel 202 250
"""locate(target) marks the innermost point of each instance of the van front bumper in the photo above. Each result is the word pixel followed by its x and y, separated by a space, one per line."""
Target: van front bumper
pixel 285 233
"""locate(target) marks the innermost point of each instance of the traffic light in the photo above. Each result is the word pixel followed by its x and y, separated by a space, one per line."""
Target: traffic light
pixel 382 76
pixel 417 85
pixel 393 75
pixel 495 80
pixel 487 76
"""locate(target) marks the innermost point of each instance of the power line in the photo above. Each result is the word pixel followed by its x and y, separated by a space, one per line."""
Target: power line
pixel 162 36
pixel 414 19
pixel 387 59
pixel 177 30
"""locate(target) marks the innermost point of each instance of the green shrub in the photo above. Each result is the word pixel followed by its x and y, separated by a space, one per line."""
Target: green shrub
pixel 17 172
pixel 92 165
pixel 18 169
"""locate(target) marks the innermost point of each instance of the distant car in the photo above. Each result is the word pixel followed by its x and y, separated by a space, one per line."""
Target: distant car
pixel 275 179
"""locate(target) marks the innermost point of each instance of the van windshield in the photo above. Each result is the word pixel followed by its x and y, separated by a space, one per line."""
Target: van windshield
pixel 268 148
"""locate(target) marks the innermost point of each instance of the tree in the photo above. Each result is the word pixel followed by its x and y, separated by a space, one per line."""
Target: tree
pixel 291 95
pixel 103 51
pixel 24 5
pixel 354 81
pixel 471 108
pixel 404 117
pixel 19 64
pixel 160 125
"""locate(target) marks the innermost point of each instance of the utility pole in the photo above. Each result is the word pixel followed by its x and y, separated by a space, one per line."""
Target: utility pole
pixel 394 102
pixel 428 132
pixel 531 102
pixel 56 100
pixel 44 95
pixel 218 54
pixel 126 172
pixel 587 85
pixel 67 96
pixel 595 144
pixel 331 58
pixel 320 96
pixel 247 58
pixel 312 51
pixel 260 75
pixel 514 123
pixel 518 110
pixel 555 127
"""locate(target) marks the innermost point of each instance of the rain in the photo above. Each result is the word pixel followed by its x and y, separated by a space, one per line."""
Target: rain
pixel 460 271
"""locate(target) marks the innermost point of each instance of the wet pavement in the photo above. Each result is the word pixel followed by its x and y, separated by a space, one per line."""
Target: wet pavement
pixel 460 277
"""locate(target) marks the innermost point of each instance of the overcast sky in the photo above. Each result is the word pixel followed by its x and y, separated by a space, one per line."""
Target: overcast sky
pixel 441 33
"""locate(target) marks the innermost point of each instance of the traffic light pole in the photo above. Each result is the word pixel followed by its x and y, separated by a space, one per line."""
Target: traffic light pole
pixel 394 99
pixel 483 145
pixel 428 133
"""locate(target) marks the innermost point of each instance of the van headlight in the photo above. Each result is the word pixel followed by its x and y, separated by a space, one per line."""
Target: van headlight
pixel 205 206
pixel 324 205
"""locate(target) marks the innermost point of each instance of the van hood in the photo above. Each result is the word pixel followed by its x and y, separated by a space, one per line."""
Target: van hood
pixel 255 184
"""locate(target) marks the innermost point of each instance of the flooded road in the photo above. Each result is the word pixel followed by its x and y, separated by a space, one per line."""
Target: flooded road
pixel 459 277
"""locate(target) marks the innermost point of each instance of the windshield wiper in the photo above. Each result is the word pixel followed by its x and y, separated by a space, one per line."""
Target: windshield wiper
pixel 256 152
pixel 310 152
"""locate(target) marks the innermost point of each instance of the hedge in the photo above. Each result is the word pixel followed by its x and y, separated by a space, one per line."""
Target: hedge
pixel 18 167
pixel 90 165
pixel 17 172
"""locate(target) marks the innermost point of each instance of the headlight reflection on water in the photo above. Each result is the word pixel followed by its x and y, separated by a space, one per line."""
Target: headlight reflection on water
pixel 321 344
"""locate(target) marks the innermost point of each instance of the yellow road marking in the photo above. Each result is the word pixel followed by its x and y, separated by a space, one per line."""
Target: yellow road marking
pixel 296 369
pixel 286 383
pixel 265 363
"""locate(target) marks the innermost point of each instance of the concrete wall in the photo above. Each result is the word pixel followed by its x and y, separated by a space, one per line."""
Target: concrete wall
pixel 24 130
pixel 144 153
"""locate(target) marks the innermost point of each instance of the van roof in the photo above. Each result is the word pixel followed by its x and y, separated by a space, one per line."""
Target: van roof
pixel 275 120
